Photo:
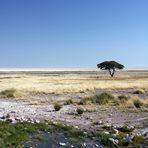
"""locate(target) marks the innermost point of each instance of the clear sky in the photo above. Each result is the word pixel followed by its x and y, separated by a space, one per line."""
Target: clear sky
pixel 73 33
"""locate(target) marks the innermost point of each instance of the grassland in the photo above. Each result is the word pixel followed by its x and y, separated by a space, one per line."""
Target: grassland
pixel 59 82
pixel 90 100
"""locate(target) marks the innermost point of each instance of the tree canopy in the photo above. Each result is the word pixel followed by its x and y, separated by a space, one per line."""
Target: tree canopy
pixel 111 66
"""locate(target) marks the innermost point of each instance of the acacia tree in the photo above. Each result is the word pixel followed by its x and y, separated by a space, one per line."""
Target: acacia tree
pixel 111 66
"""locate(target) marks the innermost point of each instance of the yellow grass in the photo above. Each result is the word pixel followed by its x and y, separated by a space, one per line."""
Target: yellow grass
pixel 71 82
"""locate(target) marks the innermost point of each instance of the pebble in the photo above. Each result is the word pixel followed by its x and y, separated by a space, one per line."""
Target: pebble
pixel 100 122
pixel 84 144
pixel 145 133
pixel 128 138
pixel 13 112
pixel 115 141
pixel 106 132
pixel 37 121
pixel 110 115
pixel 62 144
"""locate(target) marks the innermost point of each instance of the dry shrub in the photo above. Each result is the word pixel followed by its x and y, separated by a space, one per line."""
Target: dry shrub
pixel 57 106
pixel 80 110
pixel 103 98
pixel 139 91
pixel 68 102
pixel 137 103
pixel 123 98
pixel 8 93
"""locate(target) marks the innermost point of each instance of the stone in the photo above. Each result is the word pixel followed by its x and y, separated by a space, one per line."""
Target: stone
pixel 100 122
pixel 84 144
pixel 62 144
pixel 76 127
pixel 115 132
pixel 108 125
pixel 106 132
pixel 8 115
pixel 128 137
pixel 22 118
pixel 3 117
pixel 13 112
pixel 108 121
pixel 114 141
pixel 37 121
pixel 145 133
pixel 11 120
pixel 110 115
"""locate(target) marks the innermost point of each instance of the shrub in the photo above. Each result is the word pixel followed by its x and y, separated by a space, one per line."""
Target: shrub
pixel 137 103
pixel 104 139
pixel 57 106
pixel 8 93
pixel 82 102
pixel 103 98
pixel 80 111
pixel 116 102
pixel 68 102
pixel 126 129
pixel 123 98
pixel 139 91
pixel 138 138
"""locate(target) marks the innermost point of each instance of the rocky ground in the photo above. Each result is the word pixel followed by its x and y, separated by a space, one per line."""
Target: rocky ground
pixel 16 110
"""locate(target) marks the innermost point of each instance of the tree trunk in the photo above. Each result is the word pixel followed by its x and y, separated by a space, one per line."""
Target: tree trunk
pixel 112 72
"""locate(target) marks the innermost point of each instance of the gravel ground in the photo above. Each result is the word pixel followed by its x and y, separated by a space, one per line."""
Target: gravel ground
pixel 113 115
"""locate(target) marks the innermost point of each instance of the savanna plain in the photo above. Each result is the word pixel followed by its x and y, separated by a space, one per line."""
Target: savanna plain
pixel 73 109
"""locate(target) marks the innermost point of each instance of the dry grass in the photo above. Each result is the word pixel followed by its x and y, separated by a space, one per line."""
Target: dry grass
pixel 71 81
pixel 133 102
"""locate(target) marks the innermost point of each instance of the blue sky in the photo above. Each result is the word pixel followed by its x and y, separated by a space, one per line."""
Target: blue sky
pixel 73 33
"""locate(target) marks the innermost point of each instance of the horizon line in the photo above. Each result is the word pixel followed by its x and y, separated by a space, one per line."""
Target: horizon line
pixel 65 69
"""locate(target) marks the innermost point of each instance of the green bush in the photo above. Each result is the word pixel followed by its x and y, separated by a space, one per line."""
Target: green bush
pixel 80 111
pixel 8 93
pixel 137 103
pixel 104 139
pixel 138 138
pixel 57 106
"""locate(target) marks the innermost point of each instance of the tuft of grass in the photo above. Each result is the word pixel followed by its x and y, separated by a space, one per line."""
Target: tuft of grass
pixel 68 102
pixel 80 111
pixel 82 102
pixel 57 106
pixel 138 138
pixel 104 139
pixel 8 93
pixel 137 103
pixel 103 98
pixel 125 129
pixel 123 99
pixel 90 110
pixel 139 91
